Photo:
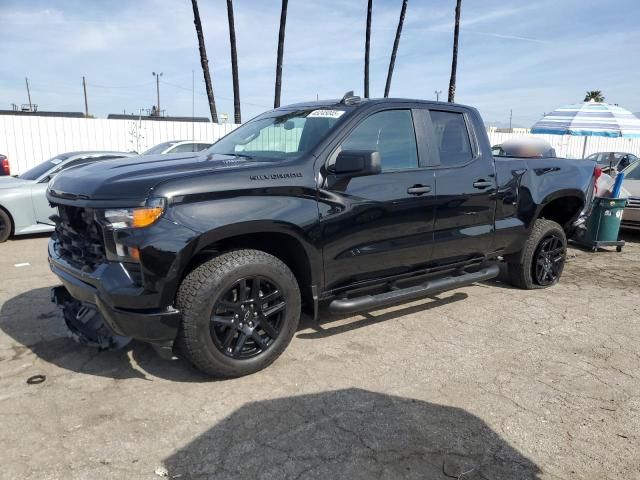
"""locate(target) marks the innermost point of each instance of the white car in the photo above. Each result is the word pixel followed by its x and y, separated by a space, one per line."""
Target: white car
pixel 24 207
pixel 178 146
pixel 631 183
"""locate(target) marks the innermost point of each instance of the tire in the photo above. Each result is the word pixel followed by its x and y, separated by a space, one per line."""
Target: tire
pixel 533 267
pixel 216 313
pixel 6 226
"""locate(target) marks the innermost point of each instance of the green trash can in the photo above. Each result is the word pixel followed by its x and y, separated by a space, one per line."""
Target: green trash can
pixel 603 223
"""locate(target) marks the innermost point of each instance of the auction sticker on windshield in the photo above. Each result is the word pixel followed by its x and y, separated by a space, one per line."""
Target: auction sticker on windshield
pixel 326 114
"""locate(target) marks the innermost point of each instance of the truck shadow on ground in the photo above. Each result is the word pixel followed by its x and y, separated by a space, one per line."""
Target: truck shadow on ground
pixel 37 326
pixel 350 434
pixel 365 319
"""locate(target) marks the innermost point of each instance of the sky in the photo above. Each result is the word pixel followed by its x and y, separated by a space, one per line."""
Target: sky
pixel 521 55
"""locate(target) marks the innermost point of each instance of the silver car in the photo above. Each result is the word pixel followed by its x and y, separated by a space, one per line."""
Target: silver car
pixel 24 207
pixel 631 214
pixel 178 146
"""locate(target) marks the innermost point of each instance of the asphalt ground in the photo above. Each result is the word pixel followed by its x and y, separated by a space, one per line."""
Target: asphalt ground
pixel 483 382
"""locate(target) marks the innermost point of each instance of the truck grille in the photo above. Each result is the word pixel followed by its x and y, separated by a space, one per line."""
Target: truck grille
pixel 633 202
pixel 78 237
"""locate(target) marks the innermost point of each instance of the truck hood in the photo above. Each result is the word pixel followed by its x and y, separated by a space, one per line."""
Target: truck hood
pixel 133 177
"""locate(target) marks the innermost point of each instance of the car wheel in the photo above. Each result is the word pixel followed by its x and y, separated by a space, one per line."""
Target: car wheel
pixel 6 226
pixel 239 313
pixel 541 261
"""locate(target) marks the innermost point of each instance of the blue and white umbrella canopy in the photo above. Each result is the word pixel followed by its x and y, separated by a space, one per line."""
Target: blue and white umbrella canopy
pixel 589 119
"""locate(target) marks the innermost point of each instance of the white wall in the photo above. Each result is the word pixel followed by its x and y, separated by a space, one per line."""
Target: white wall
pixel 27 140
pixel 571 146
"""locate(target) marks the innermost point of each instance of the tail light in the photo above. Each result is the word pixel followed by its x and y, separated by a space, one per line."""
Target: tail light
pixel 5 166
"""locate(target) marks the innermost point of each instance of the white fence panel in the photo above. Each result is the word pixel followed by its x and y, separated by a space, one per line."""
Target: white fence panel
pixel 29 140
pixel 571 146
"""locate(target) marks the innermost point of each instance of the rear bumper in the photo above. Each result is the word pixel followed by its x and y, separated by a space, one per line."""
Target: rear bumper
pixel 128 309
pixel 631 218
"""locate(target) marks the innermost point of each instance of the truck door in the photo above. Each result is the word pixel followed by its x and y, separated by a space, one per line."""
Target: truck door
pixel 378 225
pixel 465 189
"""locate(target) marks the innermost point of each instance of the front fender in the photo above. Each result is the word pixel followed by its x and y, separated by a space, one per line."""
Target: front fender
pixel 220 219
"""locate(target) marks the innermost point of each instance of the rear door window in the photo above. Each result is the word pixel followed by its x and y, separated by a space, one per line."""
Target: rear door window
pixel 452 138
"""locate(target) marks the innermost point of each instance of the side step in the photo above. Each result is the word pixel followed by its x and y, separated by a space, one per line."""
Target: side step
pixel 370 302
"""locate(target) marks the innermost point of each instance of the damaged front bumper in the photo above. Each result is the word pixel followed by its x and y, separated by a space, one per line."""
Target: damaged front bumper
pixel 127 308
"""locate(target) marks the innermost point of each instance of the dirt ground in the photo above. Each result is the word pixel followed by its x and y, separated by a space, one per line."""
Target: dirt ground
pixel 484 382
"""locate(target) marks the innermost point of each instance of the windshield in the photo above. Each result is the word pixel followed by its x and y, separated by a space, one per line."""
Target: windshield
pixel 161 147
pixel 607 157
pixel 633 173
pixel 42 168
pixel 280 135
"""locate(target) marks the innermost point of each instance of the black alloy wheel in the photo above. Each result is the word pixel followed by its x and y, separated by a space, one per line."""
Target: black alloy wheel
pixel 248 317
pixel 549 259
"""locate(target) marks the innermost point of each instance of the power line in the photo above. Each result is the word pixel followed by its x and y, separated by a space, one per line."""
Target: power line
pixel 217 96
pixel 121 86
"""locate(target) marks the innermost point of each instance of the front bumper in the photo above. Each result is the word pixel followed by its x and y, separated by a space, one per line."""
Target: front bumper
pixel 128 309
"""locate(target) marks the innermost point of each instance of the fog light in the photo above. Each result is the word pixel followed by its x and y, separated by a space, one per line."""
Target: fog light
pixel 128 253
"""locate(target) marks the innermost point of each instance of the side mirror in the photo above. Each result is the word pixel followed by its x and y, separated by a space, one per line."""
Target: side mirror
pixel 357 163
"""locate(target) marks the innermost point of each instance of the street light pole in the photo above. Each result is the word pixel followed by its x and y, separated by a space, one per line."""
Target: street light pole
pixel 157 75
pixel 438 93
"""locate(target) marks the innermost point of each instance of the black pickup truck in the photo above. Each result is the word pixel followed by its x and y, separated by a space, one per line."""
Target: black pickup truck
pixel 348 204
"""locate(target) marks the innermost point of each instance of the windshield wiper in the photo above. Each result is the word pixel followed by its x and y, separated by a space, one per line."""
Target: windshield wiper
pixel 240 155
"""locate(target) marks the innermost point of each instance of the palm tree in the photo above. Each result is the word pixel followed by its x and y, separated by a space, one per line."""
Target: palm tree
pixel 234 63
pixel 367 42
pixel 595 95
pixel 283 21
pixel 204 62
pixel 454 60
pixel 396 42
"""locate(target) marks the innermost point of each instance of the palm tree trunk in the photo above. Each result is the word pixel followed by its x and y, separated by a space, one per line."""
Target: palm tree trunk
pixel 396 42
pixel 454 61
pixel 234 63
pixel 367 43
pixel 283 21
pixel 204 62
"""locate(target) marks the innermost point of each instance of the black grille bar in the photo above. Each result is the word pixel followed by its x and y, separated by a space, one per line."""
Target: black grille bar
pixel 78 237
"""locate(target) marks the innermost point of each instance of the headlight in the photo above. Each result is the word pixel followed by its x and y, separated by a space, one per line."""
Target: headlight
pixel 138 217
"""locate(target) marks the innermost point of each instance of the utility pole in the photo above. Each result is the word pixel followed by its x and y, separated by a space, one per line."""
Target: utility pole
pixel 26 80
pixel 86 105
pixel 438 93
pixel 193 105
pixel 157 75
pixel 510 120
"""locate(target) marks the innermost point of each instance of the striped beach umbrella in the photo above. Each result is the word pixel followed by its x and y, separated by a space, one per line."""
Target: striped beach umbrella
pixel 589 119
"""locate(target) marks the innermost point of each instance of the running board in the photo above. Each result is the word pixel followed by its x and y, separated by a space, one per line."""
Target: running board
pixel 370 302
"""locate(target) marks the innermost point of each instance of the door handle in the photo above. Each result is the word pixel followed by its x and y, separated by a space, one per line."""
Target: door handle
pixel 481 184
pixel 418 189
